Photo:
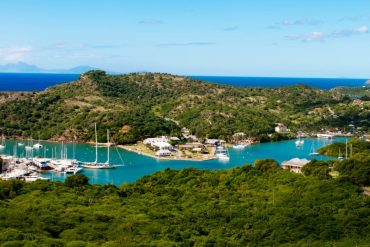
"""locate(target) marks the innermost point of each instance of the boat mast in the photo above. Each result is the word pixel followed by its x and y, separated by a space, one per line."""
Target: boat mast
pixel 96 146
pixel 108 146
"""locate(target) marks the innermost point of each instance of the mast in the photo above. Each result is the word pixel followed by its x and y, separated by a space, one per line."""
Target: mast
pixel 108 146
pixel 96 146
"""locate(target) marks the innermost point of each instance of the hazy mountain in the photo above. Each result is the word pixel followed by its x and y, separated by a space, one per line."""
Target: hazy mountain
pixel 22 67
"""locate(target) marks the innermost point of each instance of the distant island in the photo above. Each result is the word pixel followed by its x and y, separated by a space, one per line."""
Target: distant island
pixel 21 67
pixel 367 82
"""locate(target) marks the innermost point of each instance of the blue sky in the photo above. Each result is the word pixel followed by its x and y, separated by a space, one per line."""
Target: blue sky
pixel 191 37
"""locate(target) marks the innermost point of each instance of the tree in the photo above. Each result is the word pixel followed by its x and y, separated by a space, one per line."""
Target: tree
pixel 266 165
pixel 316 168
pixel 77 180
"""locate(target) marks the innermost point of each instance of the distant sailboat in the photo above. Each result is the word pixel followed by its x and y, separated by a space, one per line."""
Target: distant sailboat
pixel 340 157
pixel 299 142
pixel 95 164
pixel 29 146
pixel 313 150
pixel 37 145
pixel 2 145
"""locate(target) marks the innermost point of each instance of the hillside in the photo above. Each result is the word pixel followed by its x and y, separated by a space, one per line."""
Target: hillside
pixel 237 207
pixel 136 106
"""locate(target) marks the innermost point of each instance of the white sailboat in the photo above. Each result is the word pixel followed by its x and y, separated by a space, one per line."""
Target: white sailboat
pixel 299 142
pixel 95 164
pixel 29 147
pixel 2 145
pixel 340 157
pixel 37 145
pixel 313 150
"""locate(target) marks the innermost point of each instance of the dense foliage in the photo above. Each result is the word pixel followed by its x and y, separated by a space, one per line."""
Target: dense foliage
pixel 136 106
pixel 237 207
pixel 357 166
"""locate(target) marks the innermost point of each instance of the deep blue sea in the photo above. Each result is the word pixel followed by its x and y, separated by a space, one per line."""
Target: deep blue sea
pixel 37 82
pixel 32 81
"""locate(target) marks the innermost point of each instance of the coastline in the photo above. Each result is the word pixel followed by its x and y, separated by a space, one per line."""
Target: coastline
pixel 129 149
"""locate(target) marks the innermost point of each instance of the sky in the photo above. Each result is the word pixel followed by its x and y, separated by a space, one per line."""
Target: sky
pixel 305 38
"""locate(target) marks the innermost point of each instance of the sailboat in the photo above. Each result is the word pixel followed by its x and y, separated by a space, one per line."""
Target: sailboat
pixel 29 146
pixel 95 164
pixel 299 142
pixel 340 157
pixel 313 150
pixel 2 145
pixel 37 145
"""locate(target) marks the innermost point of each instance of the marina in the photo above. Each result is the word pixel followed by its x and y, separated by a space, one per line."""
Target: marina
pixel 133 166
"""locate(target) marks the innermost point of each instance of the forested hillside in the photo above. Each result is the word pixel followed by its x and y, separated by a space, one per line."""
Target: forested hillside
pixel 136 106
pixel 260 206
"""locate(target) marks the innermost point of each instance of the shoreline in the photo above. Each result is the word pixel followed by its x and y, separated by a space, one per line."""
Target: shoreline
pixel 173 158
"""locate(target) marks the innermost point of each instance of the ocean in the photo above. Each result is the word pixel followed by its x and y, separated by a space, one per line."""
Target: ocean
pixel 38 82
pixel 32 81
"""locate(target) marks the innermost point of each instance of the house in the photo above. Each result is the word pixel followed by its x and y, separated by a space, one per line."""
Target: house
pixel 163 153
pixel 162 146
pixel 281 128
pixel 295 165
pixel 150 141
pixel 214 142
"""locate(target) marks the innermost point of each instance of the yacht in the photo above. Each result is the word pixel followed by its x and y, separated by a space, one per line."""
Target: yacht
pixel 222 153
pixel 325 136
pixel 96 164
pixel 313 150
pixel 239 146
pixel 73 169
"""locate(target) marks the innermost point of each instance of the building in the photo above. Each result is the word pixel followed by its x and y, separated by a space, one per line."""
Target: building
pixel 214 142
pixel 151 141
pixel 295 165
pixel 281 128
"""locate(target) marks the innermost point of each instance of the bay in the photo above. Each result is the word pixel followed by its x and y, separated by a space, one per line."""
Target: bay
pixel 135 166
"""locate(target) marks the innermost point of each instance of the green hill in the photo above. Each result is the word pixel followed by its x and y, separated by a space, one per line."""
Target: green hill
pixel 136 106
pixel 237 207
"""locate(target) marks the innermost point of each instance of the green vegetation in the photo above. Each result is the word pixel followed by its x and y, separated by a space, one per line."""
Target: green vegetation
pixel 316 168
pixel 357 167
pixel 237 207
pixel 136 106
pixel 362 93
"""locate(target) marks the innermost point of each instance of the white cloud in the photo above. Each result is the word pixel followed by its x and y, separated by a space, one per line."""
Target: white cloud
pixel 321 36
pixel 313 36
pixel 308 22
pixel 15 53
pixel 362 29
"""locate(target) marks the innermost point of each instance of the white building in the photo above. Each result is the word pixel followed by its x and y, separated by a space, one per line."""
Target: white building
pixel 281 128
pixel 295 165
pixel 162 146
pixel 150 141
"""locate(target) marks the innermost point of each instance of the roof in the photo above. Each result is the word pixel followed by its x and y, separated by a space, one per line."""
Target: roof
pixel 162 144
pixel 295 162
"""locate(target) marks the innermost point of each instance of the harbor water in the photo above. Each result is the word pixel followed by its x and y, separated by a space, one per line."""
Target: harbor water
pixel 133 166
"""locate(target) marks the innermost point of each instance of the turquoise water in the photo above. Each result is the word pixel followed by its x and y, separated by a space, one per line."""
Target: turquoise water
pixel 136 166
